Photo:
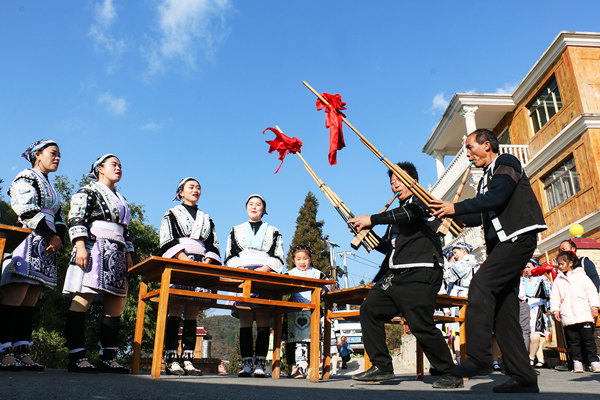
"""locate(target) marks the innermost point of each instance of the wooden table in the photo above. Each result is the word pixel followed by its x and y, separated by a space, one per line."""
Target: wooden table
pixel 357 295
pixel 217 279
pixel 10 238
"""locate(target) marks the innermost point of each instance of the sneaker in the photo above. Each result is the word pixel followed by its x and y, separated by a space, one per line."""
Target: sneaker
pixel 595 366
pixel 188 366
pixel 562 367
pixel 247 364
pixel 577 366
pixel 172 366
pixel 259 367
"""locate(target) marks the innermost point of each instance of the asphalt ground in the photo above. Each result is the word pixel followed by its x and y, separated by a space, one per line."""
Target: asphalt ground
pixel 60 384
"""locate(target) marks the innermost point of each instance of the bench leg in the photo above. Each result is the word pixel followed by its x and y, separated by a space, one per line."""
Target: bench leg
pixel 277 321
pixel 420 373
pixel 315 334
pixel 161 321
pixel 326 343
pixel 139 327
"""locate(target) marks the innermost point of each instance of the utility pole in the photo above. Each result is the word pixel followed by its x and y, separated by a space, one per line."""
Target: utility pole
pixel 332 260
pixel 343 254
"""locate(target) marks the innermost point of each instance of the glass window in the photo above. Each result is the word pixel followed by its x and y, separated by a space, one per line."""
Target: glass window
pixel 561 183
pixel 504 137
pixel 545 105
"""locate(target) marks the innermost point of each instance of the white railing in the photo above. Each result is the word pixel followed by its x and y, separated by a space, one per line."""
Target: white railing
pixel 453 172
pixel 518 150
pixel 458 166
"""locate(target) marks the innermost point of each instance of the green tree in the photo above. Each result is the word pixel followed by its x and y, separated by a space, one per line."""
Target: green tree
pixel 309 232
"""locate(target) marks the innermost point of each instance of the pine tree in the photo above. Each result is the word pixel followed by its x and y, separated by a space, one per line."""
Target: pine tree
pixel 309 232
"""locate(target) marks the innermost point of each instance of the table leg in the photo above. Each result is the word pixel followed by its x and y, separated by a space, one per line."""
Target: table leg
pixel 315 328
pixel 420 374
pixel 139 327
pixel 326 342
pixel 277 321
pixel 2 245
pixel 463 334
pixel 161 321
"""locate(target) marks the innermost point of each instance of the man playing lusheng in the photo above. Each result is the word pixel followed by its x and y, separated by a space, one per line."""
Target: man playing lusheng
pixel 511 218
pixel 408 282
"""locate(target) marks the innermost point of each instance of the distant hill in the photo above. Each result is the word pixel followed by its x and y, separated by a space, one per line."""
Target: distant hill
pixel 224 330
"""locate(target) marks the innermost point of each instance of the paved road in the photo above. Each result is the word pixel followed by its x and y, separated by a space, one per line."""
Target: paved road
pixel 59 384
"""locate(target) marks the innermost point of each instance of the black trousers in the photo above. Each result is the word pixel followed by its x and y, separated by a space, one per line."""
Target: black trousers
pixel 494 307
pixel 413 293
pixel 579 335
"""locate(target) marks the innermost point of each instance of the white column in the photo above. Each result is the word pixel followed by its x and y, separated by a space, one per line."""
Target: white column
pixel 469 113
pixel 438 155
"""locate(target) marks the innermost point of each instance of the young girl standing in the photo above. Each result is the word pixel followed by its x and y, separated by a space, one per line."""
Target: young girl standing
pixel 345 351
pixel 258 246
pixel 186 233
pixel 32 265
pixel 101 256
pixel 298 323
pixel 574 302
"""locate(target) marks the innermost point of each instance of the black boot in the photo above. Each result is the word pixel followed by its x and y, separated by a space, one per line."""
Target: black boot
pixel 74 333
pixel 109 332
pixel 8 321
pixel 23 329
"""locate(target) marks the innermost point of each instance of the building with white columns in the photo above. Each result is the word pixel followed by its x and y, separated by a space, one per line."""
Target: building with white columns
pixel 551 123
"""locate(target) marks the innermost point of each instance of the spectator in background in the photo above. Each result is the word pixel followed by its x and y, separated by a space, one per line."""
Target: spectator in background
pixel 588 266
pixel 537 291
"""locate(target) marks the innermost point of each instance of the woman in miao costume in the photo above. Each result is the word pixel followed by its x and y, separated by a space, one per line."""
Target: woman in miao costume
pixel 186 233
pixel 258 246
pixel 32 265
pixel 101 256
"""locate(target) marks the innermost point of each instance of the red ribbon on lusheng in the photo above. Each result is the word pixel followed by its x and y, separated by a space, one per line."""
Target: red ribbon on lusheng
pixel 283 144
pixel 333 121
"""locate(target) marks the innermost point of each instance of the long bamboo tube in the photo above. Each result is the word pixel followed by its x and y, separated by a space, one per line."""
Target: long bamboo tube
pixel 445 226
pixel 407 180
pixel 362 234
pixel 369 241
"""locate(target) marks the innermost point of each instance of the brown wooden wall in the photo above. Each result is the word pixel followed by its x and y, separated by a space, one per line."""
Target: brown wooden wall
pixel 577 72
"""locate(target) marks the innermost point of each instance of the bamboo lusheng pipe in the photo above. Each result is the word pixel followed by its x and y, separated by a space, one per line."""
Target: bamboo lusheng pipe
pixel 445 226
pixel 361 235
pixel 407 180
pixel 370 241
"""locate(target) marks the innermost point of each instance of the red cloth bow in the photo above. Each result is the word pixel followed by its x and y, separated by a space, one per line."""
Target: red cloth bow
pixel 283 145
pixel 333 121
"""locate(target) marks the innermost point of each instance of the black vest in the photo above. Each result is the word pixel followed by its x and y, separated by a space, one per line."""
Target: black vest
pixel 521 214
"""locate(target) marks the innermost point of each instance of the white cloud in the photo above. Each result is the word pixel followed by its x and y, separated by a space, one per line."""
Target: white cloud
pixel 105 15
pixel 187 28
pixel 14 167
pixel 152 126
pixel 508 88
pixel 439 102
pixel 117 106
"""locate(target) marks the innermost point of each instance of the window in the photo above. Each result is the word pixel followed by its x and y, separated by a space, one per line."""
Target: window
pixel 562 183
pixel 546 104
pixel 504 137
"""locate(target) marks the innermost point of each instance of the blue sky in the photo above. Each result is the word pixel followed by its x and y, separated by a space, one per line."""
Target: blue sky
pixel 185 88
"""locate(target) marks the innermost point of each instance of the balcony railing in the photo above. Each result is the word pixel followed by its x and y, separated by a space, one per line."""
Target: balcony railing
pixel 458 166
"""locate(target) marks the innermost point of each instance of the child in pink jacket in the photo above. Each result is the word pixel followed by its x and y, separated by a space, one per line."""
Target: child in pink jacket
pixel 574 302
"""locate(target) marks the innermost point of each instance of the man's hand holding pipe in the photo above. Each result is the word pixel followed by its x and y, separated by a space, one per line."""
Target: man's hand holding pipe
pixel 441 208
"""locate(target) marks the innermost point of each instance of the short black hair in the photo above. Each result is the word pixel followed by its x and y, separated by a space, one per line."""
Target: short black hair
pixel 570 257
pixel 410 169
pixel 485 135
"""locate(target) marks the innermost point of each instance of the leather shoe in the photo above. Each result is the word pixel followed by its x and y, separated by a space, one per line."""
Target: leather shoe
pixel 468 369
pixel 373 374
pixel 512 386
pixel 448 381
